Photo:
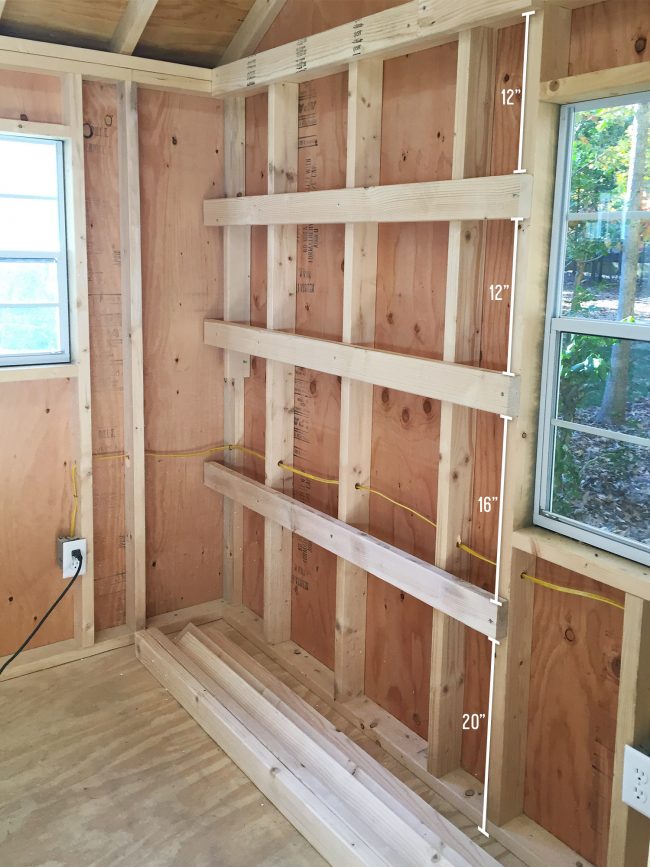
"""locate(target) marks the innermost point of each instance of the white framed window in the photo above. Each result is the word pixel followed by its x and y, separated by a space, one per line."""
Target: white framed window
pixel 34 314
pixel 593 465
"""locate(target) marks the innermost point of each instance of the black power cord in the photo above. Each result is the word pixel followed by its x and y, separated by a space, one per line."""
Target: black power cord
pixel 76 555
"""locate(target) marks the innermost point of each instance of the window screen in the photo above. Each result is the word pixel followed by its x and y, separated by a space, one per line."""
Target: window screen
pixel 593 475
pixel 33 277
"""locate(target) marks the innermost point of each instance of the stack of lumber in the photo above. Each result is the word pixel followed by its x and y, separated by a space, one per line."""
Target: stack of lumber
pixel 348 806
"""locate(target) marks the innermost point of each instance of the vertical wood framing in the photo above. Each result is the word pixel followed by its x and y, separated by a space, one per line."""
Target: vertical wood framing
pixel 134 469
pixel 547 58
pixel 84 601
pixel 236 304
pixel 365 85
pixel 280 378
pixel 629 831
pixel 471 158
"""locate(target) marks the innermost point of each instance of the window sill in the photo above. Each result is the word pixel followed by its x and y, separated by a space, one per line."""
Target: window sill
pixel 615 571
pixel 39 371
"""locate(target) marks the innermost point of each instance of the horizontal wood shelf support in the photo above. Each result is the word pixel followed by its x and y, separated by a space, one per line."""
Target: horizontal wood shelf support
pixel 408 27
pixel 502 197
pixel 471 605
pixel 474 387
pixel 616 81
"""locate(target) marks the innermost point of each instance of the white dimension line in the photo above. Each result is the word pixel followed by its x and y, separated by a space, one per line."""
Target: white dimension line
pixel 502 485
pixel 513 280
pixel 520 169
pixel 483 826
pixel 496 601
pixel 508 372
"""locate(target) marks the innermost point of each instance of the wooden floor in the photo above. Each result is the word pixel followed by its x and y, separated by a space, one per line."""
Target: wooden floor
pixel 100 767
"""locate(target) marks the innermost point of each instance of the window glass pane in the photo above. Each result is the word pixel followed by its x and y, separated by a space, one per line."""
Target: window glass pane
pixel 602 483
pixel 604 382
pixel 25 282
pixel 26 330
pixel 29 225
pixel 607 260
pixel 28 167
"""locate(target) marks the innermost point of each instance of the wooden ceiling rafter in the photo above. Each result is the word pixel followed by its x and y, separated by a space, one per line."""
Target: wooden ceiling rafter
pixel 131 25
pixel 253 28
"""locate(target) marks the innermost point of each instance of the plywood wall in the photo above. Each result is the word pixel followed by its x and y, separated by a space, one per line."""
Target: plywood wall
pixel 416 145
pixel 613 33
pixel 322 165
pixel 576 642
pixel 576 662
pixel 37 445
pixel 181 164
pixel 37 448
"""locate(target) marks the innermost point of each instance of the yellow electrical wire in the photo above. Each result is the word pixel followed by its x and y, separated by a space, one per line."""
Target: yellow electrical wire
pixel 474 553
pixel 194 453
pixel 326 481
pixel 246 451
pixel 547 584
pixel 306 475
pixel 572 592
pixel 395 503
pixel 75 501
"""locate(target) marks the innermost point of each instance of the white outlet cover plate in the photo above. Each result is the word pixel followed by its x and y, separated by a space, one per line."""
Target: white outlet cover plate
pixel 69 562
pixel 636 780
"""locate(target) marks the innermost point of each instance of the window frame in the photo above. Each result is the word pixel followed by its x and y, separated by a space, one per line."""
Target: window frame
pixel 62 356
pixel 555 326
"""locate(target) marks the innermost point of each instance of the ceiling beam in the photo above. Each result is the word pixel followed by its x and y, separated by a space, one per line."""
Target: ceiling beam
pixel 131 25
pixel 260 17
pixel 102 65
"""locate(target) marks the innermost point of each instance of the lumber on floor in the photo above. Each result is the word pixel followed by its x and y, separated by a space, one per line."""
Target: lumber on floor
pixel 334 783
pixel 523 837
pixel 273 778
pixel 316 688
pixel 321 794
pixel 404 803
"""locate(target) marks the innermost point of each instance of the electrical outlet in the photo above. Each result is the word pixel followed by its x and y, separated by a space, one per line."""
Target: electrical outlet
pixel 636 780
pixel 65 545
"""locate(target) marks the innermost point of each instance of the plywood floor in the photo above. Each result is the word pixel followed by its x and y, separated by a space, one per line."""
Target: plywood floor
pixel 100 767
